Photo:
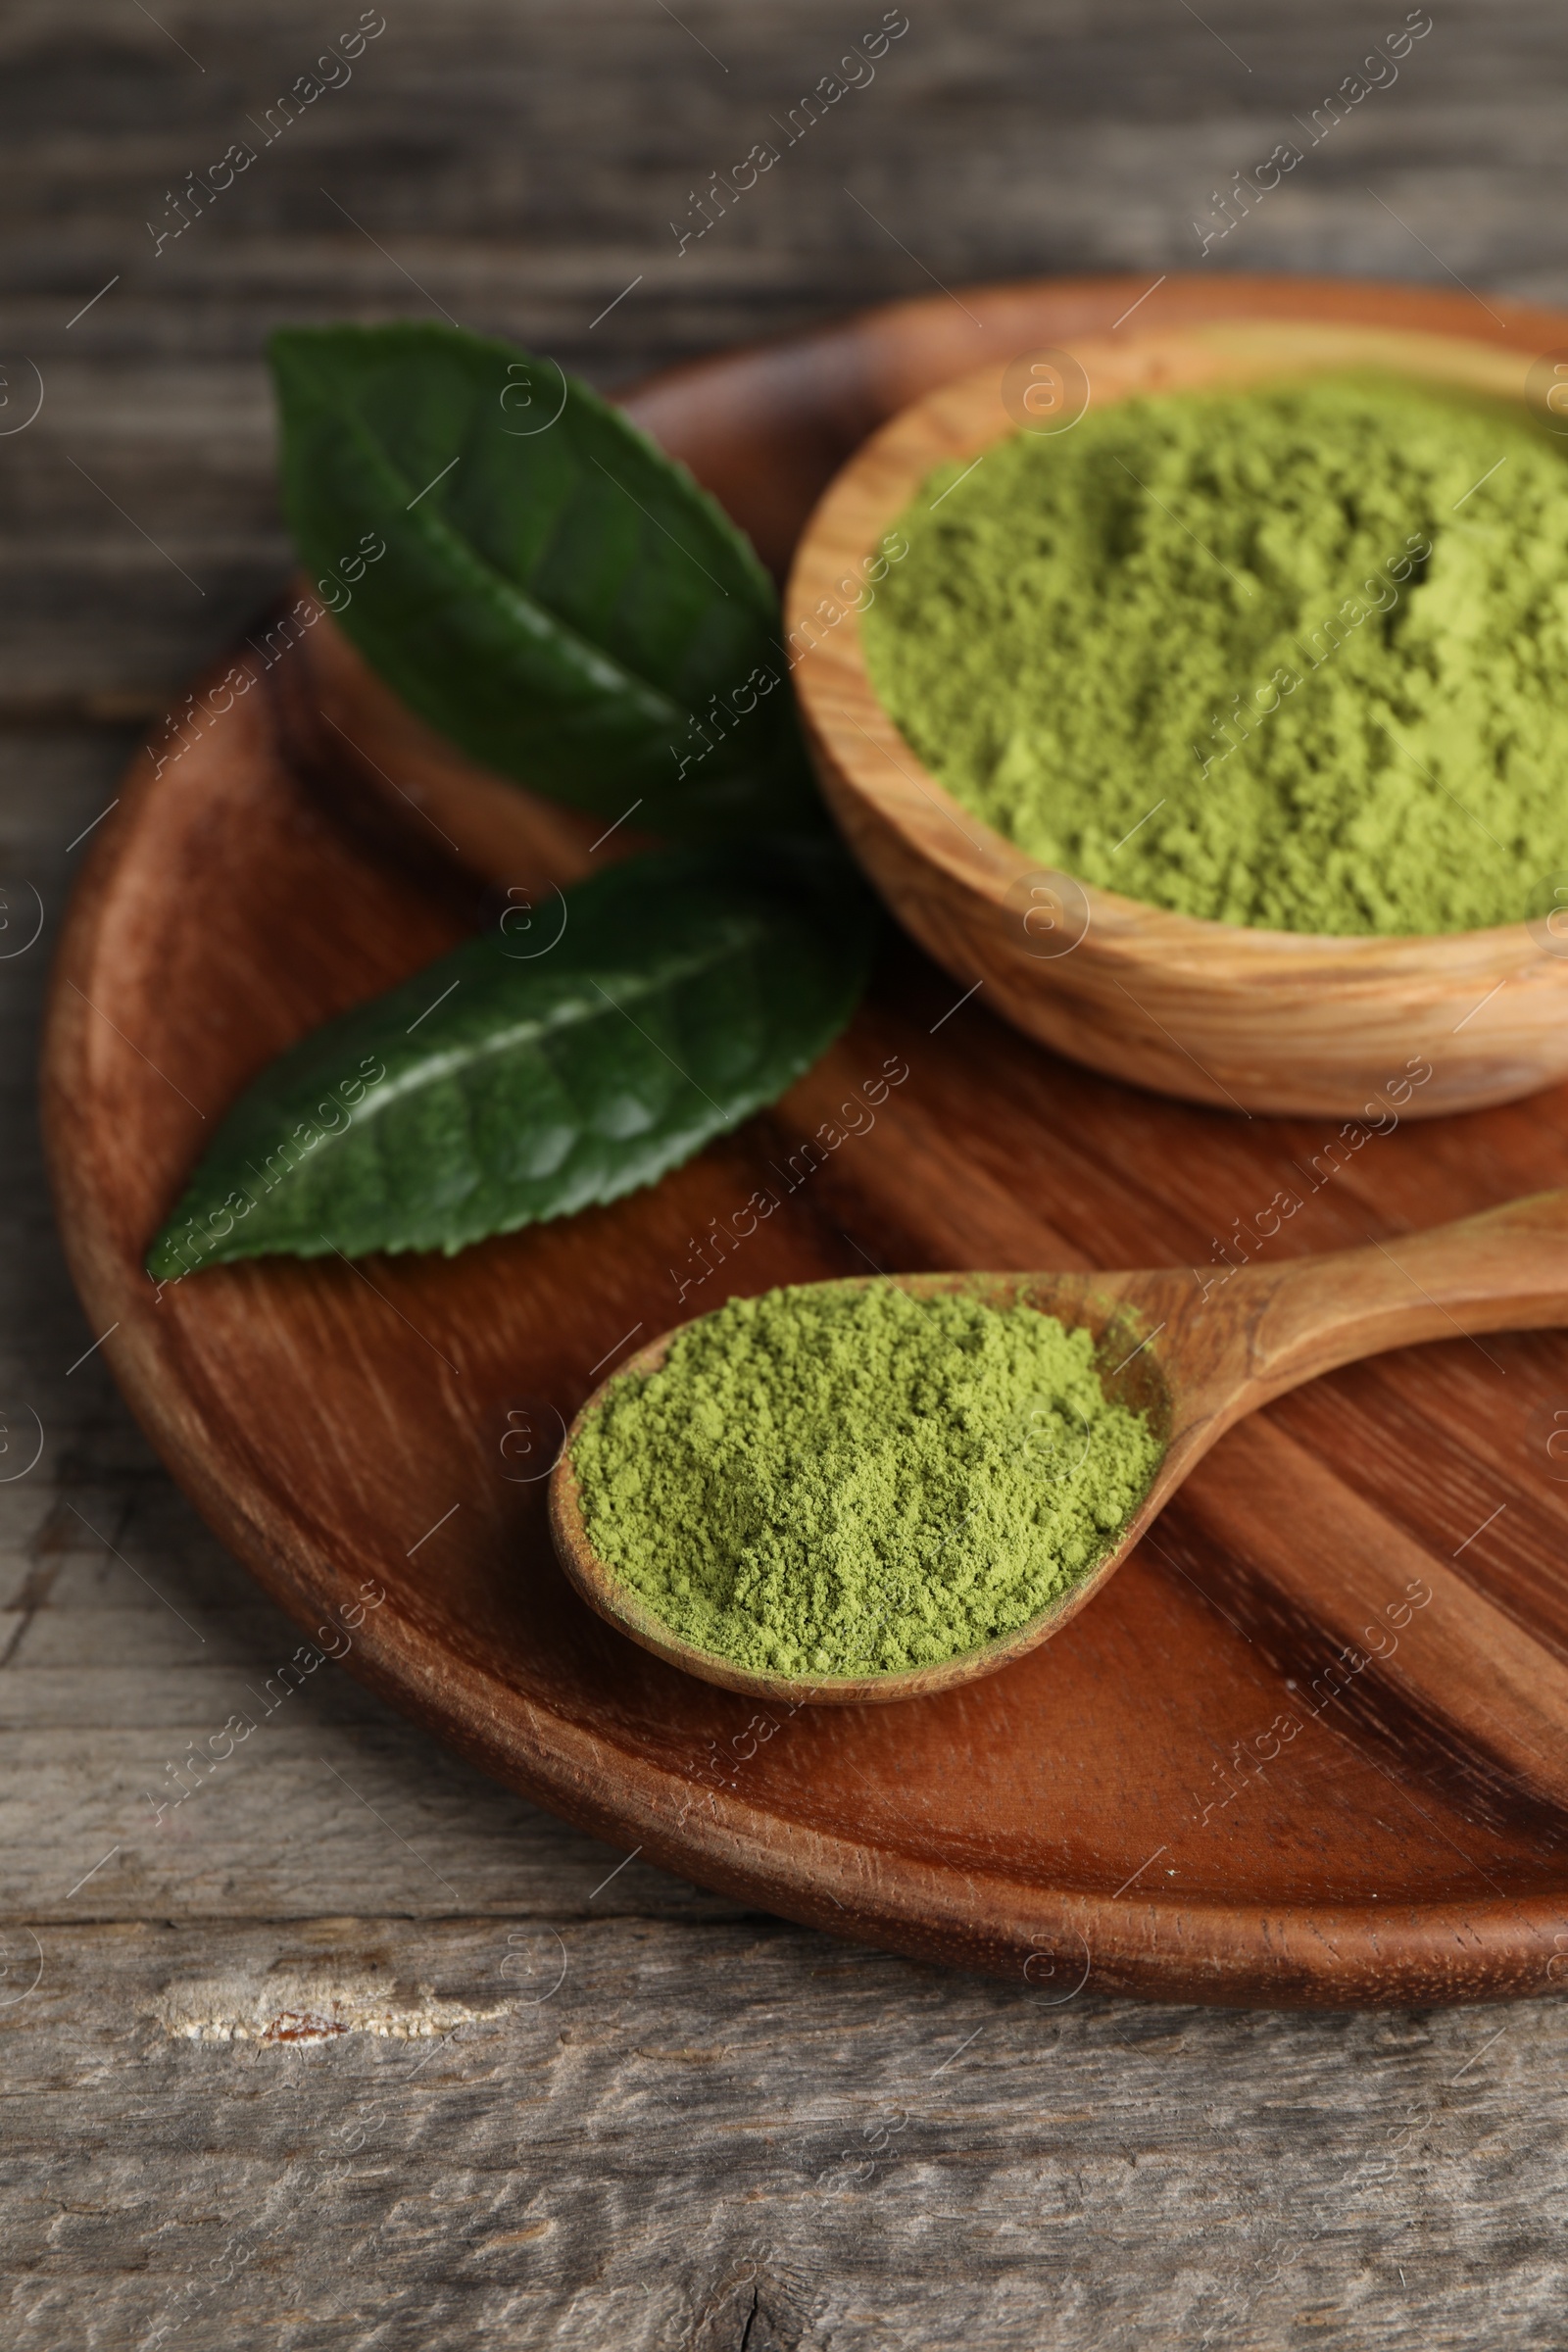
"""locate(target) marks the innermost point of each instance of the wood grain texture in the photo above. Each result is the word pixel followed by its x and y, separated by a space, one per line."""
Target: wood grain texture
pixel 1388 2183
pixel 524 164
pixel 718 2135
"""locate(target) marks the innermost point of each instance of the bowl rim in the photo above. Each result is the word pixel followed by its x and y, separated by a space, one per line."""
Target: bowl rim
pixel 1127 927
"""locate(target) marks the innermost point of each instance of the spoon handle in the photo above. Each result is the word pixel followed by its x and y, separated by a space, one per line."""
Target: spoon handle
pixel 1504 1270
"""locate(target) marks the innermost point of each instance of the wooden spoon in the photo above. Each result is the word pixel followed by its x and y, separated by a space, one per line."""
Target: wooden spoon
pixel 1195 1349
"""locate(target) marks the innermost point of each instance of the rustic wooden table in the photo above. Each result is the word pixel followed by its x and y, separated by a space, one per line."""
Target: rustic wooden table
pixel 577 2102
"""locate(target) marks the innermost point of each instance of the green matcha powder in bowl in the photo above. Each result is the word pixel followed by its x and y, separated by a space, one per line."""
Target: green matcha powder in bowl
pixel 849 1480
pixel 1294 657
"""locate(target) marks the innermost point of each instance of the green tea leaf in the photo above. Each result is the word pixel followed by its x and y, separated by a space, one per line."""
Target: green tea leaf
pixel 555 594
pixel 528 1075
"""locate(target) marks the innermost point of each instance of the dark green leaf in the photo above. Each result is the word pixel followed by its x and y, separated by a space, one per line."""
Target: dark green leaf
pixel 517 1079
pixel 555 595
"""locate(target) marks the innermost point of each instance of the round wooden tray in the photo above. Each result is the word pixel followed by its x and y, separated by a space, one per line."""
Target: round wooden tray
pixel 1207 1786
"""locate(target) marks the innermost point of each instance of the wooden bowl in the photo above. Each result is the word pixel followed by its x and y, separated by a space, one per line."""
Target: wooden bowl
pixel 1259 1020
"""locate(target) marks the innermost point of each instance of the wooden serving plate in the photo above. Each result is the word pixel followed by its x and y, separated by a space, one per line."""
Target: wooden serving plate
pixel 1218 1782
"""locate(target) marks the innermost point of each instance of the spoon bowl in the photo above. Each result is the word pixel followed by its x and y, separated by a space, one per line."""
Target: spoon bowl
pixel 1195 1349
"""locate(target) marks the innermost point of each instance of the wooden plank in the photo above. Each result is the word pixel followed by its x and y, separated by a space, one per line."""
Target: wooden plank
pixel 323 1811
pixel 652 2135
pixel 488 153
